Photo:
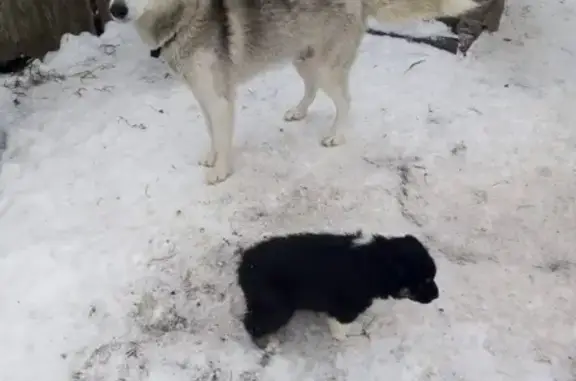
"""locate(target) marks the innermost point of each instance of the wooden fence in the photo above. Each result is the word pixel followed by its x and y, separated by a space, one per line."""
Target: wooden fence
pixel 34 27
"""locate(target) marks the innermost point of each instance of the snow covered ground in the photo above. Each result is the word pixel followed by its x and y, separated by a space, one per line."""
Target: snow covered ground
pixel 117 262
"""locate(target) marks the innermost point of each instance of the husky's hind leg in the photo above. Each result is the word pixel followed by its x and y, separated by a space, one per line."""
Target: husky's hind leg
pixel 333 78
pixel 304 65
pixel 334 82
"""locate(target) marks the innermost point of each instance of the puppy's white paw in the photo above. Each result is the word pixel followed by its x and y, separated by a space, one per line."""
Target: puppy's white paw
pixel 218 173
pixel 338 330
pixel 208 160
pixel 271 349
pixel 333 141
pixel 294 114
pixel 273 345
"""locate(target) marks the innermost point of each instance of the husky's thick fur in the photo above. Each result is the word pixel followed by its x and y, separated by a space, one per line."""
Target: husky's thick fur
pixel 336 274
pixel 217 44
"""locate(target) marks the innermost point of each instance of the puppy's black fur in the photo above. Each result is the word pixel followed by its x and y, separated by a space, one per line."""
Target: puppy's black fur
pixel 330 273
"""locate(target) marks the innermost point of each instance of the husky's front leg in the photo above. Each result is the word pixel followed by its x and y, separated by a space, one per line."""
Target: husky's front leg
pixel 220 112
pixel 215 94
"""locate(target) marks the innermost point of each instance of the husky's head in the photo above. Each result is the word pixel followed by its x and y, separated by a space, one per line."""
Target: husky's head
pixel 129 10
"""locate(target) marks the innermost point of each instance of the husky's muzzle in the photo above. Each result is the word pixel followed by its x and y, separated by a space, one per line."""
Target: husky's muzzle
pixel 119 10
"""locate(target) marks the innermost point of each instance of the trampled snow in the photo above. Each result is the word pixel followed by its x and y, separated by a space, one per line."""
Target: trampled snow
pixel 117 261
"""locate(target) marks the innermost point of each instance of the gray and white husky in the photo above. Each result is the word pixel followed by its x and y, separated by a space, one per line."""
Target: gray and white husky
pixel 215 45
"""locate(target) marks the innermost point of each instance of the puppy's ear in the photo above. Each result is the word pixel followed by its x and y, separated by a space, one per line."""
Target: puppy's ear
pixel 413 243
pixel 408 248
pixel 411 238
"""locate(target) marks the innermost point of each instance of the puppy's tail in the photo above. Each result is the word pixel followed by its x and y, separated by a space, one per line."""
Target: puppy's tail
pixel 402 10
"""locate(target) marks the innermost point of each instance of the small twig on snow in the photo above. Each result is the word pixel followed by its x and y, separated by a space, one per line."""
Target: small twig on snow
pixel 158 110
pixel 80 91
pixel 140 126
pixel 414 65
pixel 108 49
pixel 90 73
pixel 107 89
pixel 372 162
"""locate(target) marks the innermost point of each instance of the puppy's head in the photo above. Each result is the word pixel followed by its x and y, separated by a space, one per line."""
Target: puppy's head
pixel 411 271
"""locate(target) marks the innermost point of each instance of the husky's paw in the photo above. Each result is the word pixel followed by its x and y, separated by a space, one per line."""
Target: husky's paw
pixel 294 114
pixel 209 159
pixel 333 141
pixel 218 173
pixel 338 330
pixel 339 336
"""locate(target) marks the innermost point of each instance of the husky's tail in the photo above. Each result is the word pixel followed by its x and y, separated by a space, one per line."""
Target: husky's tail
pixel 401 10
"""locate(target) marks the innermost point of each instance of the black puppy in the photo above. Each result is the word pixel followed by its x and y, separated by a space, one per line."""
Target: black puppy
pixel 335 274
